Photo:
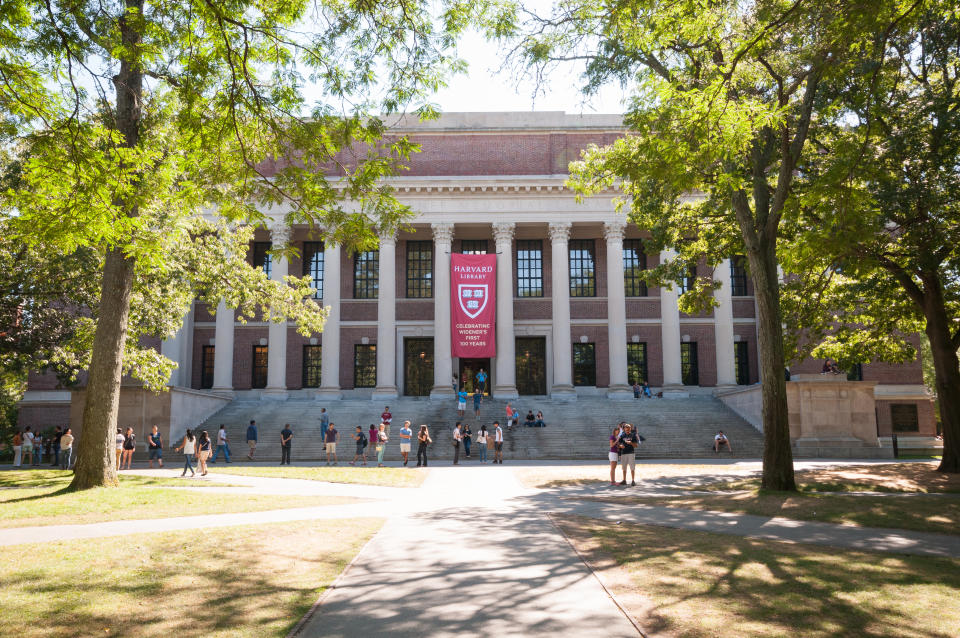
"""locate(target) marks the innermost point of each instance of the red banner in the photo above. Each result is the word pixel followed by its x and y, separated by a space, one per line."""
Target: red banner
pixel 473 300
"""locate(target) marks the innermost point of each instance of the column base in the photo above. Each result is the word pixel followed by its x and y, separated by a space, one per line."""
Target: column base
pixel 274 394
pixel 442 392
pixel 328 394
pixel 563 392
pixel 674 391
pixel 505 392
pixel 385 392
pixel 620 392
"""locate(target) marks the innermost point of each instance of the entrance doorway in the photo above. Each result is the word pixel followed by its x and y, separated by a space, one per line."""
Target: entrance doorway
pixel 469 369
pixel 531 365
pixel 417 367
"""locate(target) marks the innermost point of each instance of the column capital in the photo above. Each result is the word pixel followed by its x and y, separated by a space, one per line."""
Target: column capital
pixel 387 237
pixel 559 231
pixel 613 230
pixel 442 233
pixel 503 232
pixel 280 232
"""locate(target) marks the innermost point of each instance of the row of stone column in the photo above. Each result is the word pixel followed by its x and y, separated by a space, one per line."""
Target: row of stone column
pixel 505 370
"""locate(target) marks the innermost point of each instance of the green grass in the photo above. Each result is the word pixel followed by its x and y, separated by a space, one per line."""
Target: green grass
pixel 385 476
pixel 244 582
pixel 62 478
pixel 919 512
pixel 697 584
pixel 887 477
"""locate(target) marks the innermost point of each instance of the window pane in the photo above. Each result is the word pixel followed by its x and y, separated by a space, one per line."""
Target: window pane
pixel 206 375
pixel 473 247
pixel 259 370
pixel 584 364
pixel 312 356
pixel 741 362
pixel 364 366
pixel 634 263
pixel 420 269
pixel 583 272
pixel 529 268
pixel 637 362
pixel 261 256
pixel 687 283
pixel 366 274
pixel 531 361
pixel 313 266
pixel 738 276
pixel 689 367
pixel 904 417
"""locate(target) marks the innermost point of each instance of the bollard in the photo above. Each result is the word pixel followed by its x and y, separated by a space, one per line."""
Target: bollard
pixel 896 449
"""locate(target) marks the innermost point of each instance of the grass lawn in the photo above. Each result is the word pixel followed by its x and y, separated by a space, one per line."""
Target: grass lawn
pixel 691 475
pixel 32 500
pixel 691 584
pixel 248 581
pixel 888 477
pixel 921 512
pixel 386 476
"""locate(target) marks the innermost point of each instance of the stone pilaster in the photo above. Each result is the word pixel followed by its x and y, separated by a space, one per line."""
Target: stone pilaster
pixel 386 319
pixel 616 311
pixel 723 326
pixel 277 335
pixel 505 379
pixel 670 335
pixel 560 301
pixel 442 360
pixel 330 344
pixel 223 350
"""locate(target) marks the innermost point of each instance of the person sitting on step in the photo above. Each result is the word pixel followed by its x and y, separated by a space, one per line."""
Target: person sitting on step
pixel 529 421
pixel 721 439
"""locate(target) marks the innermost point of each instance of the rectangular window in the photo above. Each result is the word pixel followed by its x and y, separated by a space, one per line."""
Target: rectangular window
pixel 855 373
pixel 313 266
pixel 261 256
pixel 688 282
pixel 206 367
pixel 583 270
pixel 366 274
pixel 741 362
pixel 364 366
pixel 637 362
pixel 258 377
pixel 311 366
pixel 634 263
pixel 738 276
pixel 689 366
pixel 531 362
pixel 904 417
pixel 419 269
pixel 473 247
pixel 584 364
pixel 529 268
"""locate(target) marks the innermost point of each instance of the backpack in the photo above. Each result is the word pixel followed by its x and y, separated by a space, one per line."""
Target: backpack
pixel 363 440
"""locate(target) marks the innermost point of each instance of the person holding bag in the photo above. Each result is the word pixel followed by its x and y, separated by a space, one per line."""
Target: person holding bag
pixel 189 447
pixel 381 443
pixel 423 440
pixel 482 443
pixel 204 452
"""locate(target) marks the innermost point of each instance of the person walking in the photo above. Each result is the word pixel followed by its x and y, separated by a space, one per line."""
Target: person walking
pixel 251 439
pixel 203 453
pixel 324 423
pixel 66 449
pixel 482 443
pixel 17 449
pixel 330 443
pixel 129 445
pixel 627 444
pixel 222 444
pixel 372 435
pixel 457 437
pixel 461 402
pixel 481 382
pixel 423 440
pixel 27 446
pixel 286 444
pixel 477 398
pixel 405 436
pixel 467 439
pixel 119 442
pixel 497 443
pixel 189 447
pixel 361 452
pixel 155 447
pixel 382 439
pixel 57 435
pixel 614 454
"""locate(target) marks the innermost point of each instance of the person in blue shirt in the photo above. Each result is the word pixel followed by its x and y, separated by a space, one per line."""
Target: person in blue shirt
pixel 461 402
pixel 252 438
pixel 324 423
pixel 482 380
pixel 477 397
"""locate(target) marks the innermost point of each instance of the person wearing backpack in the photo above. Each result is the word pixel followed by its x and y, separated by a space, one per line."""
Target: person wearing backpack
pixel 361 440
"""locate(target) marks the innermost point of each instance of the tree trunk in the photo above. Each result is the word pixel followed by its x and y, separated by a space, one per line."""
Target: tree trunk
pixel 777 453
pixel 95 450
pixel 947 368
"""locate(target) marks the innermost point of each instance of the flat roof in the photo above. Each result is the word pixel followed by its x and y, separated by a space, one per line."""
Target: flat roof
pixel 507 121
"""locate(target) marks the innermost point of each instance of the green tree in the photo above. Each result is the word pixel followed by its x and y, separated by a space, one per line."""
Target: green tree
pixel 136 116
pixel 725 96
pixel 880 201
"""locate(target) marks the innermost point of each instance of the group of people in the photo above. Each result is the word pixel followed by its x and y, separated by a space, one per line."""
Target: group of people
pixel 531 421
pixel 463 436
pixel 624 442
pixel 641 389
pixel 29 448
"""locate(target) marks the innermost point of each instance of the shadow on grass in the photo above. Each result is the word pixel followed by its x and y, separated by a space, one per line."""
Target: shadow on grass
pixel 705 584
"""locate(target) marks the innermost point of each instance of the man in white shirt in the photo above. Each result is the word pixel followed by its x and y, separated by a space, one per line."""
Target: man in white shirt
pixel 457 437
pixel 721 439
pixel 497 443
pixel 222 444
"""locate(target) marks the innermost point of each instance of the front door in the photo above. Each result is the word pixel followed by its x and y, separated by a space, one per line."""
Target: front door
pixel 469 369
pixel 531 365
pixel 417 367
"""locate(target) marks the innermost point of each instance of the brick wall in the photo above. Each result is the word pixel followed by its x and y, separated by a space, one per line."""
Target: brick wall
pixel 42 417
pixel 925 416
pixel 643 307
pixel 349 336
pixel 706 350
pixel 743 308
pixel 244 338
pixel 361 310
pixel 651 335
pixel 596 335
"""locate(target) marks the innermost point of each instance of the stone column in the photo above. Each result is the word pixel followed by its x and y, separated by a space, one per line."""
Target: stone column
pixel 330 340
pixel 179 349
pixel 616 312
pixel 670 336
pixel 386 319
pixel 277 336
pixel 505 378
pixel 723 326
pixel 223 350
pixel 560 279
pixel 442 361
